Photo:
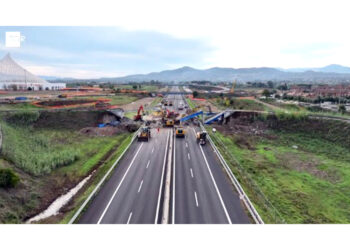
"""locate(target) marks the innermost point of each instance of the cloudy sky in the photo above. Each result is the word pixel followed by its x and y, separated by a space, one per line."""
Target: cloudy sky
pixel 147 36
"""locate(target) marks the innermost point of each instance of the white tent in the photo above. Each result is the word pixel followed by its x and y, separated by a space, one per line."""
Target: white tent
pixel 13 76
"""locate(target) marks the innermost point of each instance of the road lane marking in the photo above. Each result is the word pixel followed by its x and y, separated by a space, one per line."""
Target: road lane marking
pixel 216 187
pixel 116 190
pixel 140 186
pixel 186 145
pixel 129 218
pixel 191 172
pixel 152 150
pixel 195 196
pixel 188 156
pixel 149 161
pixel 161 180
pixel 173 217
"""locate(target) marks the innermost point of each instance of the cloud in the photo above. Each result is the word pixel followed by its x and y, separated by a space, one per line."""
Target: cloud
pixel 107 50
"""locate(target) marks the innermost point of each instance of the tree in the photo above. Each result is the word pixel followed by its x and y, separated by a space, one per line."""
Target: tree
pixel 266 93
pixel 195 94
pixel 270 84
pixel 134 86
pixel 342 109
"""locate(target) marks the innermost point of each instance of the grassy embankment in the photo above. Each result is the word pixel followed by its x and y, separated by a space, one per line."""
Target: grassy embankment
pixel 302 168
pixel 143 87
pixel 191 104
pixel 242 104
pixel 48 162
pixel 290 107
pixel 103 169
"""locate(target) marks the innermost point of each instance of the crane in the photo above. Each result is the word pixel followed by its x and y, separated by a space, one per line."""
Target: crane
pixel 232 90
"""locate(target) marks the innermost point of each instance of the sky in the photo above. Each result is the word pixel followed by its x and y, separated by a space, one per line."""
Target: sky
pixel 134 37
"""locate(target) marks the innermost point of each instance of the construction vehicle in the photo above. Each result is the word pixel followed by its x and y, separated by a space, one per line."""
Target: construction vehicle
pixel 180 132
pixel 201 137
pixel 169 123
pixel 181 106
pixel 138 117
pixel 144 134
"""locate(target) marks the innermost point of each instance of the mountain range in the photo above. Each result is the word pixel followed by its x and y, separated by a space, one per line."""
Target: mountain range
pixel 331 72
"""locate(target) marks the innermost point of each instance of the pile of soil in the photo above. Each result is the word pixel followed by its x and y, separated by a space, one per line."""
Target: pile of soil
pixel 243 123
pixel 67 119
pixel 106 131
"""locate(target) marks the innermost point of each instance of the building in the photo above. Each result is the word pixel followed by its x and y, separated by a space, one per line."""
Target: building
pixel 14 77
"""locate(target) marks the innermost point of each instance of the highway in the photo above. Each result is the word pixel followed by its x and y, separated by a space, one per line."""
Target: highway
pixel 200 192
pixel 132 193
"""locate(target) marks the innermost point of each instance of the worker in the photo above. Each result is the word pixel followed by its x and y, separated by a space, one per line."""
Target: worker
pixel 158 129
pixel 214 130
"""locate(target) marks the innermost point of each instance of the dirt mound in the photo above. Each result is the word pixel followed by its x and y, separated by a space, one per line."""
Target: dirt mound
pixel 243 123
pixel 67 119
pixel 106 131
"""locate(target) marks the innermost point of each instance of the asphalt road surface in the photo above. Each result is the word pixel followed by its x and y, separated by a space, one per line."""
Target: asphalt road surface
pixel 132 194
pixel 200 190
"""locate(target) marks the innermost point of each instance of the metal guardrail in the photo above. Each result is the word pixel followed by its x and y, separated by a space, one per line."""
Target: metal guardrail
pixel 94 192
pixel 255 215
pixel 260 196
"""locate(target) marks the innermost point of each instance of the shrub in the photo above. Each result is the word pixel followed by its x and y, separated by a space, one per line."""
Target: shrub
pixel 8 178
pixel 23 117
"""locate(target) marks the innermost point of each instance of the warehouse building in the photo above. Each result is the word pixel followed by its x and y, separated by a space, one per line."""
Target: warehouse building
pixel 15 77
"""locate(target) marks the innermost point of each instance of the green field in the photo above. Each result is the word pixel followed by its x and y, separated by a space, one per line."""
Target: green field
pixel 242 104
pixel 143 87
pixel 48 162
pixel 191 104
pixel 118 99
pixel 305 176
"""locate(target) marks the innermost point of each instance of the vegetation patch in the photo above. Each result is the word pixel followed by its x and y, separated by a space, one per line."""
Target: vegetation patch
pixel 302 166
pixel 8 178
pixel 242 104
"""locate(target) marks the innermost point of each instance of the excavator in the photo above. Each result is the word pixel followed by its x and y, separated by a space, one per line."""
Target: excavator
pixel 138 117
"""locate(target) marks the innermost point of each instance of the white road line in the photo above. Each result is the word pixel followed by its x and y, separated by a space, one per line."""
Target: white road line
pixel 186 145
pixel 188 156
pixel 140 186
pixel 191 172
pixel 195 196
pixel 173 217
pixel 152 150
pixel 149 161
pixel 216 187
pixel 129 218
pixel 116 190
pixel 161 180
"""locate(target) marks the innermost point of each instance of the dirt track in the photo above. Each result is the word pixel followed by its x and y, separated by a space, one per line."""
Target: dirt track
pixel 136 104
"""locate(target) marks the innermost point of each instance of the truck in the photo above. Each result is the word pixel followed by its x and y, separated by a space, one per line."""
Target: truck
pixel 201 137
pixel 180 132
pixel 144 134
pixel 181 106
